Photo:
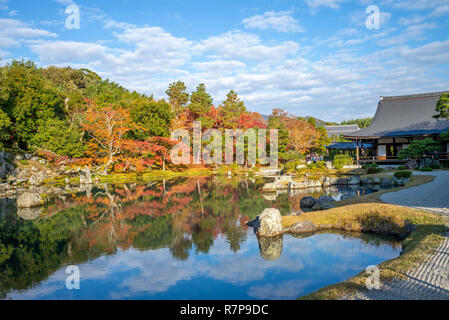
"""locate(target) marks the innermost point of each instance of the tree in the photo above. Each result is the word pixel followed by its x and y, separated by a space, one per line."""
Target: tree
pixel 362 123
pixel 155 117
pixel 200 102
pixel 419 147
pixel 106 126
pixel 322 141
pixel 232 109
pixel 178 97
pixel 57 136
pixel 442 107
pixel 251 120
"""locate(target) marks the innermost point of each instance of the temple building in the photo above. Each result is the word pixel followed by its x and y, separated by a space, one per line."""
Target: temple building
pixel 398 121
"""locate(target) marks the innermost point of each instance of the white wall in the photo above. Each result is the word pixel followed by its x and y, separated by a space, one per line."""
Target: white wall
pixel 381 150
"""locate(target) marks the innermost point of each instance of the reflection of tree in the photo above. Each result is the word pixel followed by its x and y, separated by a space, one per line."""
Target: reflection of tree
pixel 181 247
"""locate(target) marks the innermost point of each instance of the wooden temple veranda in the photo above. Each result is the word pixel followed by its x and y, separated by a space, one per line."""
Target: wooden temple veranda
pixel 398 121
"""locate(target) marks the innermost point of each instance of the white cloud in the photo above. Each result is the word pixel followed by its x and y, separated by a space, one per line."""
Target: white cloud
pixel 14 32
pixel 334 4
pixel 279 21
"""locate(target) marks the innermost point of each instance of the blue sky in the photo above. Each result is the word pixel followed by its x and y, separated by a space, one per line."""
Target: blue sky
pixel 310 57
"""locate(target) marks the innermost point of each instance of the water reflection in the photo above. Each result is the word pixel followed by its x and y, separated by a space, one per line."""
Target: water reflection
pixel 155 240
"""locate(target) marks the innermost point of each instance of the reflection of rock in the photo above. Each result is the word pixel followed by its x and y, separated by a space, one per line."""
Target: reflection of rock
pixel 268 223
pixel 270 248
pixel 308 183
pixel 29 200
pixel 270 196
pixel 29 213
pixel 325 199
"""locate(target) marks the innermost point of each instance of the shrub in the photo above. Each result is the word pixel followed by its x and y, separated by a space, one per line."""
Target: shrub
pixel 426 169
pixel 342 160
pixel 366 166
pixel 435 166
pixel 23 162
pixel 374 165
pixel 402 174
pixel 402 168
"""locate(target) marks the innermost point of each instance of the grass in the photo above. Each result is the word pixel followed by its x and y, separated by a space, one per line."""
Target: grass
pixel 378 218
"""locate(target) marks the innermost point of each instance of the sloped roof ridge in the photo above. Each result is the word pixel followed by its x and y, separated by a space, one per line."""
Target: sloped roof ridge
pixel 413 96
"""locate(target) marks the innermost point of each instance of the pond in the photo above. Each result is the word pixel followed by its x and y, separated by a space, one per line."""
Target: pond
pixel 184 238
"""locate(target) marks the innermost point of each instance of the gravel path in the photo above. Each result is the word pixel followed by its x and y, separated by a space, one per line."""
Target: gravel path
pixel 430 280
pixel 433 196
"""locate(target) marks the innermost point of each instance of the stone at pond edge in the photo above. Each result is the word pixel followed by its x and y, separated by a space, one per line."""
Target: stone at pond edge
pixel 303 226
pixel 322 206
pixel 29 200
pixel 325 199
pixel 307 202
pixel 270 248
pixel 268 223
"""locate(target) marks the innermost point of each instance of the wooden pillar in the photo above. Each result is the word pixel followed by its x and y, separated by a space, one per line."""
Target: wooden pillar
pixel 358 156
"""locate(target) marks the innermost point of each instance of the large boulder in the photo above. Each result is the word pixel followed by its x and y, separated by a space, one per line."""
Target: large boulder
pixel 355 180
pixel 270 248
pixel 307 202
pixel 29 200
pixel 308 183
pixel 386 183
pixel 411 164
pixel 342 181
pixel 272 187
pixel 303 226
pixel 328 181
pixel 367 181
pixel 269 223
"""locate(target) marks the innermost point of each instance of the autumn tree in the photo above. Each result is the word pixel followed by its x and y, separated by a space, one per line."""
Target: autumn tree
pixel 178 97
pixel 106 125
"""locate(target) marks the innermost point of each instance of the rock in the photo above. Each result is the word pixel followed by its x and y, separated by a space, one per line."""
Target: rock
pixel 272 187
pixel 29 200
pixel 283 179
pixel 270 248
pixel 377 180
pixel 19 157
pixel 34 169
pixel 341 181
pixel 327 181
pixel 411 164
pixel 35 159
pixel 308 183
pixel 37 178
pixel 301 166
pixel 270 196
pixel 401 182
pixel 329 165
pixel 270 172
pixel 29 213
pixel 367 181
pixel 303 226
pixel 322 206
pixel 325 199
pixel 307 202
pixel 354 180
pixel 386 183
pixel 269 223
pixel 43 162
pixel 27 156
pixel 347 196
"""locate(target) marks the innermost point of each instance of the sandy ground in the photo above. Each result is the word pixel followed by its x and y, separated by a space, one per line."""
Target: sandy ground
pixel 430 281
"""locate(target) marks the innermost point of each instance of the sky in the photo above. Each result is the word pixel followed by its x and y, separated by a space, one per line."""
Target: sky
pixel 317 58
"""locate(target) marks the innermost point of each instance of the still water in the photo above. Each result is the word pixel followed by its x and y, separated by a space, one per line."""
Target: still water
pixel 176 239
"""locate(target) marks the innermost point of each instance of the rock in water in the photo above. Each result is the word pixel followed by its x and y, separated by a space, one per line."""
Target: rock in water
pixel 307 202
pixel 270 248
pixel 269 223
pixel 325 199
pixel 354 180
pixel 29 200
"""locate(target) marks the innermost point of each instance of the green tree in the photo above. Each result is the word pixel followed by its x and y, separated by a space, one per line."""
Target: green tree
pixel 442 107
pixel 362 123
pixel 200 101
pixel 178 97
pixel 232 108
pixel 418 147
pixel 154 117
pixel 59 137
